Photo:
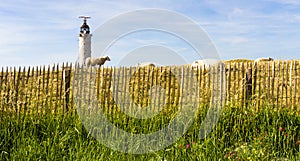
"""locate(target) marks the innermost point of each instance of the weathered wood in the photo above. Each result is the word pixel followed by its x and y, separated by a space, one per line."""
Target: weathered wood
pixel 254 79
pixel 290 84
pixel 282 85
pixel 248 86
pixel 243 83
pixel 38 90
pixel 295 84
pixel 200 76
pixel 27 93
pixel 259 80
pixel 89 86
pixel 1 79
pixel 239 84
pixel 264 89
pixel 17 92
pixel 190 83
pixel 273 84
pixel 22 95
pixel 298 87
pixel 35 90
pixel 286 83
pixel 59 90
pixel 228 84
pixel 51 89
pixel 234 83
pixel 255 68
pixel 67 82
pixel 7 90
pixel 277 84
pixel 1 91
pixel 124 83
pixel 269 82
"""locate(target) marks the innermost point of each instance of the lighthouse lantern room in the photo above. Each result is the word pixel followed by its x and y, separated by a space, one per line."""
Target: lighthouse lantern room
pixel 84 41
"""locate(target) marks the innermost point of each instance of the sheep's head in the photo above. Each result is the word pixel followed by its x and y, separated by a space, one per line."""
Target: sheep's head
pixel 107 58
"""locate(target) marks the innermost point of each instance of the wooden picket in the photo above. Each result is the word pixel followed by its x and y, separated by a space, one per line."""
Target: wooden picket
pixel 49 89
pixel 273 83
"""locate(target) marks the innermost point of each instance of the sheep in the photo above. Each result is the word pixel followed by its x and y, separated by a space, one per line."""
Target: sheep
pixel 263 59
pixel 96 61
pixel 146 64
pixel 205 63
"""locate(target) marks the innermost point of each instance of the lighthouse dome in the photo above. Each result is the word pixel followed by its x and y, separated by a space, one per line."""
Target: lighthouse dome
pixel 85 29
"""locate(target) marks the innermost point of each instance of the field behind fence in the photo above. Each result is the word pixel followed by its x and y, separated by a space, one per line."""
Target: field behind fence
pixel 50 88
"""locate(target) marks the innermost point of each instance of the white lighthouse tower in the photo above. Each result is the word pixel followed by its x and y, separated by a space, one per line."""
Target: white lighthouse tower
pixel 84 41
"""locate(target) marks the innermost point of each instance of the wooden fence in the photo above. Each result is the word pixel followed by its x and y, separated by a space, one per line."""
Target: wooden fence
pixel 273 84
pixel 50 88
pixel 36 90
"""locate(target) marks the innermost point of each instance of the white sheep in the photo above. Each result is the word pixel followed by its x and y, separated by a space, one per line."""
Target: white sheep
pixel 96 61
pixel 146 64
pixel 263 59
pixel 205 63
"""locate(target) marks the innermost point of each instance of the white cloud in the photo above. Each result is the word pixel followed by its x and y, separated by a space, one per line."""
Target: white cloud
pixel 235 12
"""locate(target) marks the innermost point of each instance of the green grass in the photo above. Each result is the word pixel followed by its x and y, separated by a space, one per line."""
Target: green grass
pixel 267 134
pixel 253 133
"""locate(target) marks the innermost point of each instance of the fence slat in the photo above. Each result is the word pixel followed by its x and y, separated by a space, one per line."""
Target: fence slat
pixel 228 83
pixel 264 88
pixel 1 90
pixel 269 82
pixel 298 87
pixel 287 83
pixel 290 84
pixel 243 85
pixel 254 83
pixel 295 84
pixel 248 85
pixel 22 93
pixel 39 90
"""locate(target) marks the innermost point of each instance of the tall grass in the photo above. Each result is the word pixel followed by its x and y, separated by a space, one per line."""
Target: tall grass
pixel 34 124
pixel 266 134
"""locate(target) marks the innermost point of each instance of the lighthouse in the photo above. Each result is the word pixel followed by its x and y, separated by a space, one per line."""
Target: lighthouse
pixel 84 41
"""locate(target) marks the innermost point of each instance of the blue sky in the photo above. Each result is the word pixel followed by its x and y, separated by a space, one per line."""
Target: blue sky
pixel 46 32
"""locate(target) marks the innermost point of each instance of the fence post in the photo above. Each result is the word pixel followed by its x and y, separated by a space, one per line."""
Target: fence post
pixel 248 85
pixel 67 79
